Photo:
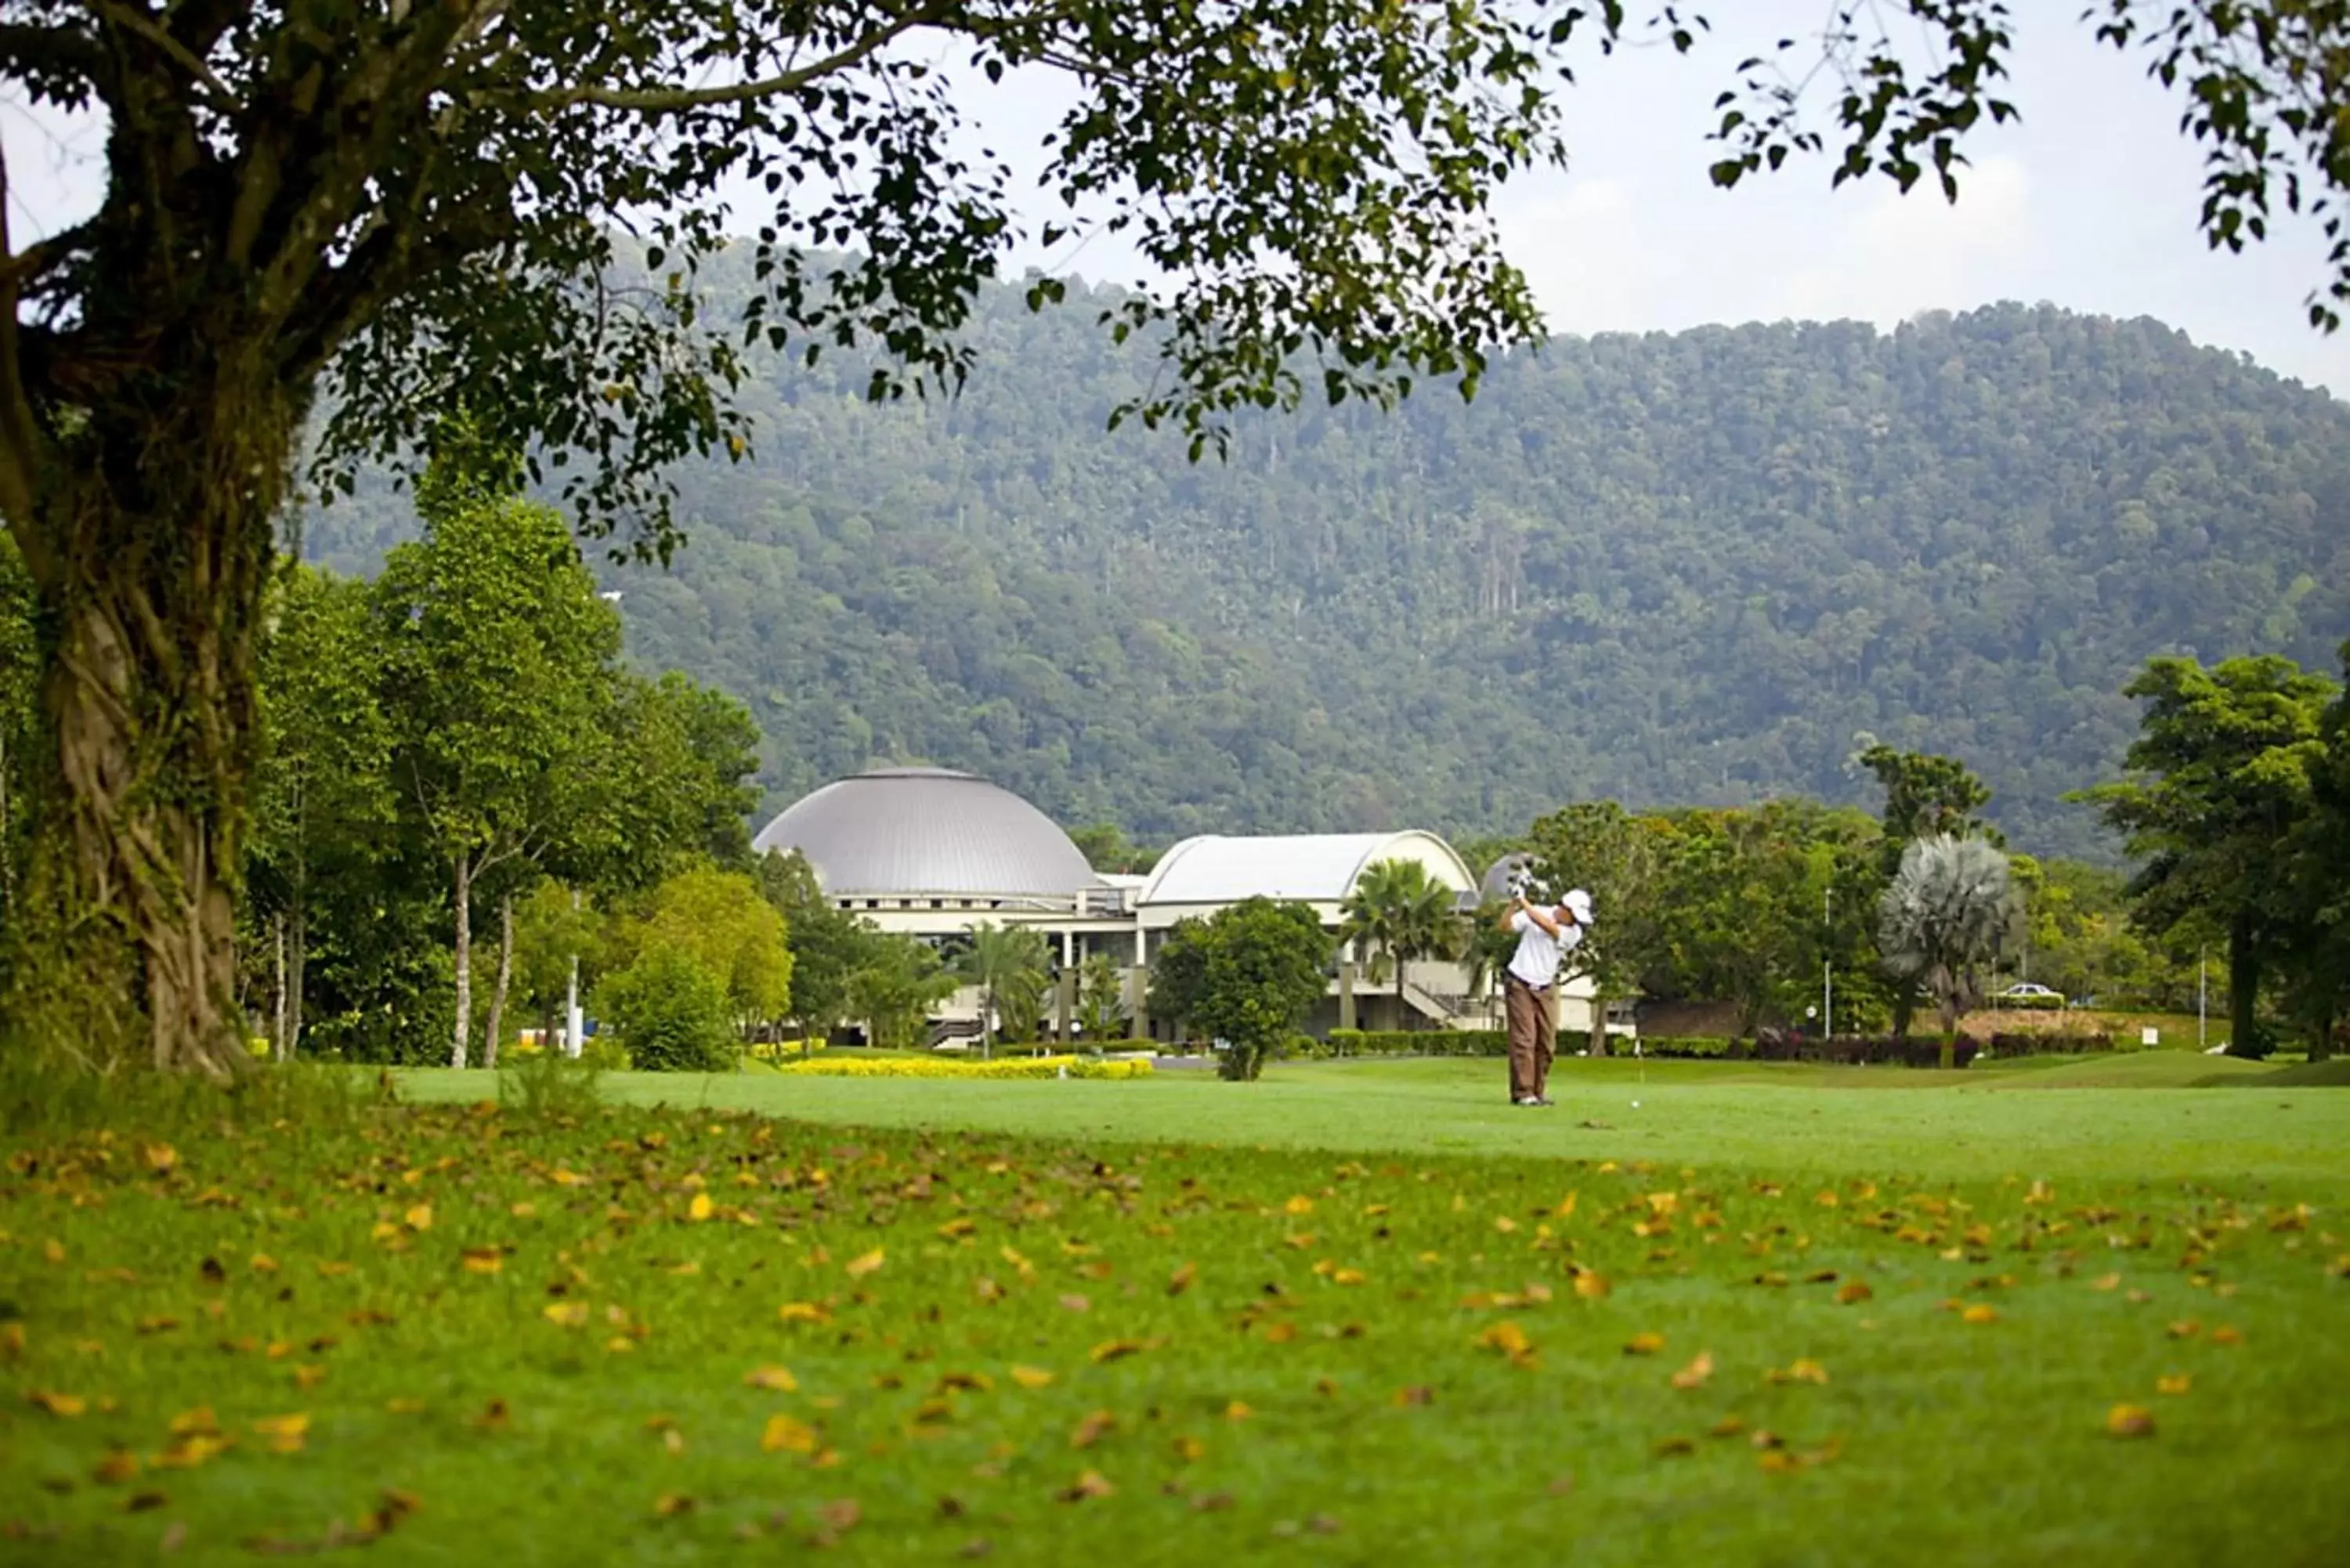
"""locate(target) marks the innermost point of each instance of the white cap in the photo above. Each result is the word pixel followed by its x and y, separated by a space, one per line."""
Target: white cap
pixel 1579 901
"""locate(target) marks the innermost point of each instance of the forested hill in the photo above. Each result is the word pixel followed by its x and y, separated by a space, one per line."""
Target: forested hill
pixel 1672 570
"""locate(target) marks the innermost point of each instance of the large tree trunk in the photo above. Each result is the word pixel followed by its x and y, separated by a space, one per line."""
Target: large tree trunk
pixel 2243 987
pixel 505 975
pixel 147 534
pixel 464 898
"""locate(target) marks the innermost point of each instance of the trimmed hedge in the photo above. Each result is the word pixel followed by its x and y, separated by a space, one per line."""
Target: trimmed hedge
pixel 2026 1003
pixel 1864 1051
pixel 1413 1043
pixel 1771 1046
pixel 1686 1048
pixel 2054 1043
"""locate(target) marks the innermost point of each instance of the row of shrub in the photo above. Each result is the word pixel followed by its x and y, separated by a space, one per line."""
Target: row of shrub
pixel 2028 1003
pixel 950 1067
pixel 2054 1043
pixel 1769 1046
pixel 1404 1042
pixel 1863 1050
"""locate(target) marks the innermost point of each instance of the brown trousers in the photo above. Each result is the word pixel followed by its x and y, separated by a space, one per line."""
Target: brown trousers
pixel 1530 1038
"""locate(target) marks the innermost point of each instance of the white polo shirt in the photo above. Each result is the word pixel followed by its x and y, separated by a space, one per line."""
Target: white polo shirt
pixel 1539 953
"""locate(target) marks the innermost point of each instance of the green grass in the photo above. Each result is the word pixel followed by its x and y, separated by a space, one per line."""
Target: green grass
pixel 1343 1231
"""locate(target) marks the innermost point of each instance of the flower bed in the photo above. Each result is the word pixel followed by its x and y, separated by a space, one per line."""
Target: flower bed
pixel 947 1067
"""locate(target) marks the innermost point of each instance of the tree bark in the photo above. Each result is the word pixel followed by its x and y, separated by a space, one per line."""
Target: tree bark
pixel 147 535
pixel 2243 987
pixel 505 975
pixel 464 899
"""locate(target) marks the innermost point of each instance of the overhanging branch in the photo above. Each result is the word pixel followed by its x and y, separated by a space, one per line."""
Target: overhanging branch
pixel 672 100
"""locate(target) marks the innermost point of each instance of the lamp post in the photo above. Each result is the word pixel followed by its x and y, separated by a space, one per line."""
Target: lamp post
pixel 1827 965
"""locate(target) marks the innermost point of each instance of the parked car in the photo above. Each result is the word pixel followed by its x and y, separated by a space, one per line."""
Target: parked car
pixel 2028 994
pixel 2027 989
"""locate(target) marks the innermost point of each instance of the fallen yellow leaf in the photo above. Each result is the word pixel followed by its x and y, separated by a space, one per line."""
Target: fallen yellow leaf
pixel 2130 1421
pixel 1854 1291
pixel 2174 1383
pixel 1590 1285
pixel 161 1156
pixel 700 1208
pixel 859 1267
pixel 788 1435
pixel 669 1504
pixel 56 1403
pixel 1695 1374
pixel 802 1311
pixel 1031 1377
pixel 776 1380
pixel 1180 1279
pixel 481 1260
pixel 1981 1312
pixel 1093 1429
pixel 1644 1344
pixel 1237 1411
pixel 569 1314
pixel 2105 1283
pixel 420 1218
pixel 1092 1483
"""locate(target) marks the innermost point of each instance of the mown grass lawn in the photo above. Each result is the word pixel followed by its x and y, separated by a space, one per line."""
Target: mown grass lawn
pixel 1353 1314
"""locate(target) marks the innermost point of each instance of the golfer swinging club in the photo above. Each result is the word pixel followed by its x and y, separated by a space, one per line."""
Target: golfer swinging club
pixel 1545 936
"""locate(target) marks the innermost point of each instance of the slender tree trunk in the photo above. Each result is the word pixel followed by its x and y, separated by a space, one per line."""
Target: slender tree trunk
pixel 464 900
pixel 505 976
pixel 147 534
pixel 277 1009
pixel 2243 987
pixel 297 977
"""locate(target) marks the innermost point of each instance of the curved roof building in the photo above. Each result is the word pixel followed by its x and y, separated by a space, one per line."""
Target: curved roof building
pixel 1314 868
pixel 902 832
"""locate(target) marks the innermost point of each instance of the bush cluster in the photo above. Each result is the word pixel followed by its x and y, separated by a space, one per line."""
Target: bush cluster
pixel 1406 1042
pixel 786 1050
pixel 1863 1051
pixel 948 1067
pixel 2054 1043
pixel 2028 1003
pixel 1844 1050
pixel 670 1013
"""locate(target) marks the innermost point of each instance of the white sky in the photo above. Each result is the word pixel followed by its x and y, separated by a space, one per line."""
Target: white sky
pixel 2090 203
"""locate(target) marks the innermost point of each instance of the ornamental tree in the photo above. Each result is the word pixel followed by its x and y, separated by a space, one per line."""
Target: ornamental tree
pixel 361 211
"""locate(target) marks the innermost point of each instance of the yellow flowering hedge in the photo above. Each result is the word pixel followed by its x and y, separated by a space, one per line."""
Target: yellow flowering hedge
pixel 947 1067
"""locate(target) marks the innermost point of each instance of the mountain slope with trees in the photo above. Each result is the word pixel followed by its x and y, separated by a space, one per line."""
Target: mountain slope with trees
pixel 1703 567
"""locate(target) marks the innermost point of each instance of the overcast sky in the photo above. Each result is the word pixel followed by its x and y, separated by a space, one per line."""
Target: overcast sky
pixel 2090 203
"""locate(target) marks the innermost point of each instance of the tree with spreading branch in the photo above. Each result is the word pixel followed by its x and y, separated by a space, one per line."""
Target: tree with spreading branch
pixel 357 213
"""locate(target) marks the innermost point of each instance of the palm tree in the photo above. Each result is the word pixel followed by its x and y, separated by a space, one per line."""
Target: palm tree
pixel 1950 908
pixel 1009 965
pixel 896 982
pixel 1402 913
